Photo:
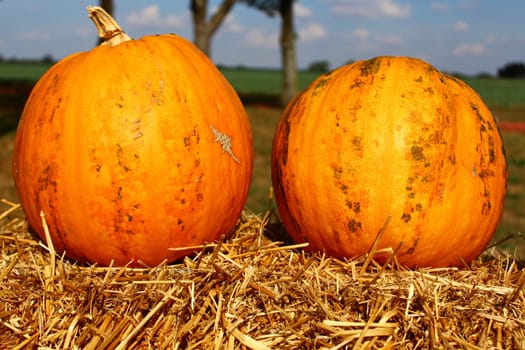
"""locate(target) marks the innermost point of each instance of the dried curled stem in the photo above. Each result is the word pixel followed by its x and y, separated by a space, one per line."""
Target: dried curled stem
pixel 108 29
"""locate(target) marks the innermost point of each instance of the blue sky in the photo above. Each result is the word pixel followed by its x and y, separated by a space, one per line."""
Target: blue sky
pixel 468 36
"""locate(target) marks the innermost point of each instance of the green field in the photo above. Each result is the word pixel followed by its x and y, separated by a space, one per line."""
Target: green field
pixel 22 71
pixel 495 92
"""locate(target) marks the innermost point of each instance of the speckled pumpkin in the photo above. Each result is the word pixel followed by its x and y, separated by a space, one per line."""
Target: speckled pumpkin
pixel 390 142
pixel 131 149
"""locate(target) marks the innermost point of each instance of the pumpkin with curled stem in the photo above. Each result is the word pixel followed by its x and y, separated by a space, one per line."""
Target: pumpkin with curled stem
pixel 131 149
pixel 390 142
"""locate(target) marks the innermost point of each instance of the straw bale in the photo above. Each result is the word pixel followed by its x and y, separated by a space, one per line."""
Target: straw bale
pixel 252 291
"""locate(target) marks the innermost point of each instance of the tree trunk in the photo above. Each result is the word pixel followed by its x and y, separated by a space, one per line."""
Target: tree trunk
pixel 288 54
pixel 204 29
pixel 107 5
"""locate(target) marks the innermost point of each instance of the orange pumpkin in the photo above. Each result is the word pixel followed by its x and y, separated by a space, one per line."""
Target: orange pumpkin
pixel 390 141
pixel 131 149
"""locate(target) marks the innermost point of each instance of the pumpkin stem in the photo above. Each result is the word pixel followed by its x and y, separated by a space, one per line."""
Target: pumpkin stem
pixel 108 29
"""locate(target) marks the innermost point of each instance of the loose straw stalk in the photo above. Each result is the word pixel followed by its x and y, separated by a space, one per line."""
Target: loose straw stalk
pixel 253 292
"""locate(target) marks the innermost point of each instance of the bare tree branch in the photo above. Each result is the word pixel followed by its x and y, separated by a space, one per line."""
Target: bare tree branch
pixel 204 28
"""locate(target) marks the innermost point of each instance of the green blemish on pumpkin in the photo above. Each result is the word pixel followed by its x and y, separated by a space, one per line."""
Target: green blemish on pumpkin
pixel 370 67
pixel 319 86
pixel 321 83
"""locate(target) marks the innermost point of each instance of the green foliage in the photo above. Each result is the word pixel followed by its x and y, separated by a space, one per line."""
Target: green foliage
pixel 512 70
pixel 319 66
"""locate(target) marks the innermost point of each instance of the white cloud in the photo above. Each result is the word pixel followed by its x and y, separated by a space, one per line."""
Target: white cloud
pixel 362 40
pixel 440 6
pixel 151 16
pixel 461 26
pixel 231 25
pixel 259 38
pixel 371 9
pixel 312 32
pixel 360 33
pixel 504 39
pixel 300 10
pixel 469 50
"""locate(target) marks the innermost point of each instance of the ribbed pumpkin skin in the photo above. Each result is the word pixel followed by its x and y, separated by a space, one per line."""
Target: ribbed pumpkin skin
pixel 125 151
pixel 390 137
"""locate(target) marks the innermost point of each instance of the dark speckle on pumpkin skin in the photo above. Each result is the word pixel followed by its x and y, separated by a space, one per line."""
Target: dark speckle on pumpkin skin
pixel 180 223
pixel 354 206
pixel 492 150
pixel 358 83
pixel 354 226
pixel 337 172
pixel 412 249
pixel 120 160
pixel 357 144
pixel 417 153
pixel 485 209
pixel 120 102
pixel 406 217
